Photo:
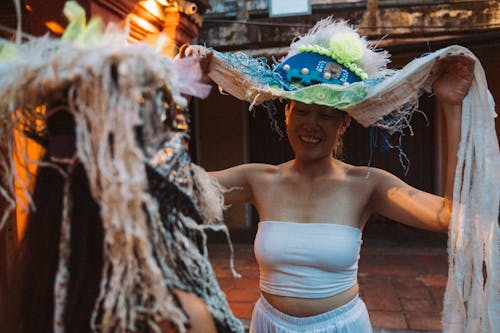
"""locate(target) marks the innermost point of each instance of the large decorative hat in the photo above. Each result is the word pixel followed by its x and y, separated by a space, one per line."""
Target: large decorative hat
pixel 333 65
pixel 329 66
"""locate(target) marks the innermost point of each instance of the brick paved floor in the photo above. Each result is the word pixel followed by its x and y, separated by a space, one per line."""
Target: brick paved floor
pixel 402 288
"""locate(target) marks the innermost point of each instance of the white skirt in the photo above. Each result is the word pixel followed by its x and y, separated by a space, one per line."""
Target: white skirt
pixel 351 317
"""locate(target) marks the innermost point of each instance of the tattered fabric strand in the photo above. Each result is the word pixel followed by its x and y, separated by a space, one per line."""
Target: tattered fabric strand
pixel 111 92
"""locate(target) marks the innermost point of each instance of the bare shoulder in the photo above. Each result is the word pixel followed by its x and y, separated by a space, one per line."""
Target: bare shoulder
pixel 254 170
pixel 243 180
pixel 261 172
pixel 373 180
pixel 262 167
pixel 370 174
pixel 244 170
pixel 384 185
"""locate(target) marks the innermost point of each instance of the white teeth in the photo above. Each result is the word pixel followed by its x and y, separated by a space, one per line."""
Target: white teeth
pixel 309 139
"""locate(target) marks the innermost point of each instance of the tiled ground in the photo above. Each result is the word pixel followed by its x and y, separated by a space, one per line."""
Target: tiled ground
pixel 402 288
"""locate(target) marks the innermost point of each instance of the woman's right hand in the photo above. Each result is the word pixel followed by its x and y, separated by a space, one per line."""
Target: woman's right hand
pixel 454 75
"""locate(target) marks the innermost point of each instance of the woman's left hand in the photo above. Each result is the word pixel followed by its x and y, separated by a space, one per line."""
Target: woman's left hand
pixel 204 57
pixel 454 74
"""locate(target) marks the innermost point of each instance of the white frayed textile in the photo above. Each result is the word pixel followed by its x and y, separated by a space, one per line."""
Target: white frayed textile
pixel 472 298
pixel 211 203
pixel 112 90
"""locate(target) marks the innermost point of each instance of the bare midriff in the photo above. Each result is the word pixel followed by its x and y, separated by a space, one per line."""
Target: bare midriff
pixel 306 307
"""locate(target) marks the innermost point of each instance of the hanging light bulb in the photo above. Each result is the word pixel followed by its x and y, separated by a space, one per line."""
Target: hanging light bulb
pixel 144 24
pixel 153 7
pixel 190 8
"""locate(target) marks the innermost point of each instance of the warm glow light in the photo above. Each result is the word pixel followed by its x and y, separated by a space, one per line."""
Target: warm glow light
pixel 144 24
pixel 153 7
pixel 54 27
pixel 26 153
pixel 28 8
pixel 163 44
pixel 162 2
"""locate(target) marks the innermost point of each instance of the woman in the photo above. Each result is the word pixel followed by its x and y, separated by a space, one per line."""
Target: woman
pixel 313 208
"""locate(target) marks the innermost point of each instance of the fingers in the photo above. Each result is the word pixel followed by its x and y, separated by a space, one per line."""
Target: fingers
pixel 453 65
pixel 182 50
pixel 459 62
pixel 451 77
pixel 197 51
pixel 205 63
pixel 201 54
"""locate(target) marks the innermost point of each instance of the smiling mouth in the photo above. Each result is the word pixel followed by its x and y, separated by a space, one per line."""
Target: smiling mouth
pixel 309 139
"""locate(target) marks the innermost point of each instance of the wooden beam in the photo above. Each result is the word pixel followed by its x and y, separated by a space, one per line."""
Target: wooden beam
pixel 416 20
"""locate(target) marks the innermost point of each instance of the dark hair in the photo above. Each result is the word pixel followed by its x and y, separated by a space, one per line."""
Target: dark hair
pixel 339 148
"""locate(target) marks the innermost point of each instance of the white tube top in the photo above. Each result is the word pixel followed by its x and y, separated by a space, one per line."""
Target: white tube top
pixel 307 260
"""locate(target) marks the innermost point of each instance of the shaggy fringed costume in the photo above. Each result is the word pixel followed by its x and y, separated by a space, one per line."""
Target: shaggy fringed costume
pixel 154 203
pixel 387 99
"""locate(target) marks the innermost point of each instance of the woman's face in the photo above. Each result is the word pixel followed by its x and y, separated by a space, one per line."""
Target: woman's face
pixel 313 130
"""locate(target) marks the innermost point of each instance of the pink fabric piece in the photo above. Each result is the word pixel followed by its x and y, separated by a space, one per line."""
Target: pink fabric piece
pixel 190 76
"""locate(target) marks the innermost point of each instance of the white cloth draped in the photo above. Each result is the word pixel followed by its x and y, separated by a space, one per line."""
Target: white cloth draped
pixel 472 297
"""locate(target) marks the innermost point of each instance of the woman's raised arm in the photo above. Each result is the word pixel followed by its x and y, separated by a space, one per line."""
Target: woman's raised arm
pixel 399 201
